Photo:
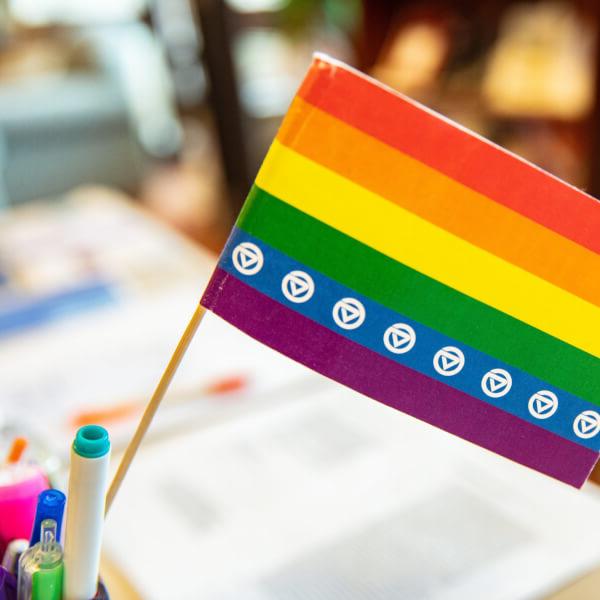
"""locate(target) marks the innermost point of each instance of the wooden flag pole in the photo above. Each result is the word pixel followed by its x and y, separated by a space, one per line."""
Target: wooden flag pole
pixel 153 404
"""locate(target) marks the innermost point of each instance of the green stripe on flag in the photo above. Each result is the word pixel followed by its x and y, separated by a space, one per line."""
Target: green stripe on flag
pixel 419 297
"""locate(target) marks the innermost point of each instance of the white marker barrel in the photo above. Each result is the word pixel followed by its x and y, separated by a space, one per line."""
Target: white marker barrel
pixel 88 479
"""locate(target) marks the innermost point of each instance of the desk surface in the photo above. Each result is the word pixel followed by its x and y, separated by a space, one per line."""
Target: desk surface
pixel 586 588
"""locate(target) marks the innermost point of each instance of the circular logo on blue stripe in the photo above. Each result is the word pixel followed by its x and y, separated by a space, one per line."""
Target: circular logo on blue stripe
pixel 449 361
pixel 496 383
pixel 399 338
pixel 586 424
pixel 543 404
pixel 247 258
pixel 298 286
pixel 349 313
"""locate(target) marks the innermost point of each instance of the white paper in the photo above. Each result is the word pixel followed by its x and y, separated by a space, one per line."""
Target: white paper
pixel 331 496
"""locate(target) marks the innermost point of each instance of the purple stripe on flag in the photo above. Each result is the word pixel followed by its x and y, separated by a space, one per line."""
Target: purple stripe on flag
pixel 392 384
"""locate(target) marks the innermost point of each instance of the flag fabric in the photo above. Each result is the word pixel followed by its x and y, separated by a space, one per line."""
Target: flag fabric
pixel 403 256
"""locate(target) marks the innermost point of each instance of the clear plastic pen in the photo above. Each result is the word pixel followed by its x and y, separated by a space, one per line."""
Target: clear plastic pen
pixel 41 567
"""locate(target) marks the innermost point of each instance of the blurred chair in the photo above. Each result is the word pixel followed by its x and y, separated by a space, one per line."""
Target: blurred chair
pixel 58 134
pixel 95 124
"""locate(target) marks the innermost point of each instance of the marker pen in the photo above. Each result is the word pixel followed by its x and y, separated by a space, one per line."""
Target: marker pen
pixel 50 505
pixel 88 479
pixel 41 567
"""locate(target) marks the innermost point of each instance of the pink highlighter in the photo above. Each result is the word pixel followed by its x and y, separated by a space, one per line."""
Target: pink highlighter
pixel 20 485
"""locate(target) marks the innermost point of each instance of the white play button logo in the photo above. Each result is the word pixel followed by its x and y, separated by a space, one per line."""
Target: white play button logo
pixel 586 424
pixel 496 383
pixel 298 286
pixel 349 313
pixel 449 361
pixel 247 258
pixel 399 338
pixel 543 404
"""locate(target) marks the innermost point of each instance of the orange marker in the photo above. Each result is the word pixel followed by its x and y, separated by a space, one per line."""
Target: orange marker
pixel 226 385
pixel 125 410
pixel 16 450
pixel 109 414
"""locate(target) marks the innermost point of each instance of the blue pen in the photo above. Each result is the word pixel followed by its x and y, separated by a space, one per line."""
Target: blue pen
pixel 51 505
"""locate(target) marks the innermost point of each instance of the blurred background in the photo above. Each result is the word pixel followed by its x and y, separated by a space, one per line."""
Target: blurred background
pixel 130 133
pixel 174 102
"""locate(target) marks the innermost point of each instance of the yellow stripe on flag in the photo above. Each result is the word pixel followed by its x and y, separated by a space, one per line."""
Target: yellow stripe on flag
pixel 403 236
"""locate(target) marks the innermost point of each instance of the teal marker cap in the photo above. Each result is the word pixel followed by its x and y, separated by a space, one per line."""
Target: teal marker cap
pixel 91 441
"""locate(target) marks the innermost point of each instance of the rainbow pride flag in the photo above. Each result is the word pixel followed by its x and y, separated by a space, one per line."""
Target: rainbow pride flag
pixel 413 261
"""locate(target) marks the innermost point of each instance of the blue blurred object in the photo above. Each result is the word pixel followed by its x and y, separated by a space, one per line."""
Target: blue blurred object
pixel 17 314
